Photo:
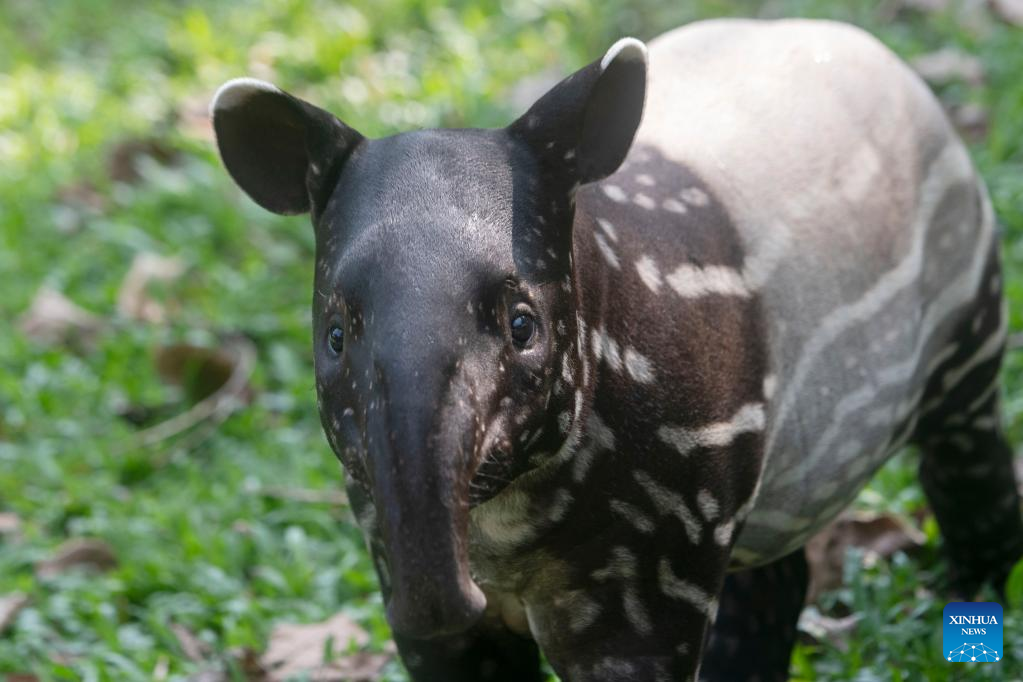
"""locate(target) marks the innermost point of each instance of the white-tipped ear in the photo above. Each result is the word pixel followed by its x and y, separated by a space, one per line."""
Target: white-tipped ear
pixel 235 91
pixel 625 48
pixel 583 127
pixel 280 149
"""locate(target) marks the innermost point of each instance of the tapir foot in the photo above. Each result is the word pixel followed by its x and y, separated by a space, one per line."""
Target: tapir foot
pixel 966 466
pixel 755 629
pixel 970 484
pixel 479 655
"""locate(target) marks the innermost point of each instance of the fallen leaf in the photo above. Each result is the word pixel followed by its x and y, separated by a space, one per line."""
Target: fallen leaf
pixel 216 380
pixel 123 160
pixel 21 677
pixel 194 648
pixel 820 628
pixel 193 117
pixel 10 606
pixel 10 523
pixel 971 120
pixel 296 649
pixel 52 319
pixel 199 370
pixel 133 300
pixel 1010 11
pixel 90 553
pixel 879 535
pixel 947 65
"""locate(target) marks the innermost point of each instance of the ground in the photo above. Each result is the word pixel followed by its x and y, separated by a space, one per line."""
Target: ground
pixel 209 538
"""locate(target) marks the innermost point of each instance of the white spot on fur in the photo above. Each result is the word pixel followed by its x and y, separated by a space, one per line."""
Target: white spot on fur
pixel 670 503
pixel 608 229
pixel 645 180
pixel 723 533
pixel 692 281
pixel 639 367
pixel 649 273
pixel 633 515
pixel 606 251
pixel 707 504
pixel 694 196
pixel 605 348
pixel 614 193
pixel 749 419
pixel 674 206
pixel 644 201
pixel 677 588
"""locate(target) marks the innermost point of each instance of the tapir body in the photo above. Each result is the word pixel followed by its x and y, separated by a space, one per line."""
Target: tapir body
pixel 596 377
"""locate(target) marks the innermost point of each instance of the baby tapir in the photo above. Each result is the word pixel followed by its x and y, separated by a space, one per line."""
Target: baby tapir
pixel 597 376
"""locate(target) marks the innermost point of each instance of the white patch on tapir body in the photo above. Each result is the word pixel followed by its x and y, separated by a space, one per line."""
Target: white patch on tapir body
pixel 644 201
pixel 708 505
pixel 693 281
pixel 645 180
pixel 670 503
pixel 605 348
pixel 723 533
pixel 633 515
pixel 677 588
pixel 608 228
pixel 749 419
pixel 674 206
pixel 606 251
pixel 614 193
pixel 635 611
pixel 638 366
pixel 694 196
pixel 649 273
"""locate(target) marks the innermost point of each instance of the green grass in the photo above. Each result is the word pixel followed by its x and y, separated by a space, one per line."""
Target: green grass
pixel 199 540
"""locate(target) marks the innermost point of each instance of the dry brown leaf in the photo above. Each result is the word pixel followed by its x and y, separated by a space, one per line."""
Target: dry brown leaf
pixel 21 677
pixel 294 649
pixel 821 628
pixel 10 606
pixel 971 120
pixel 948 65
pixel 90 553
pixel 1009 11
pixel 133 300
pixel 193 117
pixel 194 648
pixel 925 6
pixel 123 161
pixel 52 319
pixel 879 535
pixel 215 379
pixel 10 523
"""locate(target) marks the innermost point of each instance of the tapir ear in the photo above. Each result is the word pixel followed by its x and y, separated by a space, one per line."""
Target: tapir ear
pixel 283 151
pixel 586 123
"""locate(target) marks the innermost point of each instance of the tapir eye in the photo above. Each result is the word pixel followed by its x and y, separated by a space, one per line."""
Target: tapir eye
pixel 337 339
pixel 523 327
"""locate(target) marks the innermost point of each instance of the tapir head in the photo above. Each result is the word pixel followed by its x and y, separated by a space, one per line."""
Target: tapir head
pixel 444 306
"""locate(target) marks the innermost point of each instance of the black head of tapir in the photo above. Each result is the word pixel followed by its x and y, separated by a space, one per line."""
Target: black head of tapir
pixel 445 334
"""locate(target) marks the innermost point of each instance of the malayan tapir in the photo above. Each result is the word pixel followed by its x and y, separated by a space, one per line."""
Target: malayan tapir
pixel 597 376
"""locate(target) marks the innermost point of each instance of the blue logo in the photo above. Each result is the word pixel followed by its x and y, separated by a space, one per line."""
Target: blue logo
pixel 972 632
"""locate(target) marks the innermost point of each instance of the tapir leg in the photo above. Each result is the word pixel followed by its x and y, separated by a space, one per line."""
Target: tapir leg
pixel 966 465
pixel 479 655
pixel 755 629
pixel 967 474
